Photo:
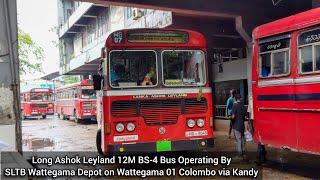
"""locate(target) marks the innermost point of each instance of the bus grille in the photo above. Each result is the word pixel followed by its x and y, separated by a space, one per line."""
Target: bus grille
pixel 40 106
pixel 158 112
pixel 124 109
pixel 193 106
pixel 161 112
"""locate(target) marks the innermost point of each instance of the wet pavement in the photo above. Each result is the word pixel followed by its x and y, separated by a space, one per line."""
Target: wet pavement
pixel 53 134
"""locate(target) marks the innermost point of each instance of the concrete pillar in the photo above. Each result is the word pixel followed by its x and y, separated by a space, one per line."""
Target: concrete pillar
pixel 10 124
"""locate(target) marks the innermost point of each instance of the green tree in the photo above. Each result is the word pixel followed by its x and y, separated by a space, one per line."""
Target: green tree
pixel 69 79
pixel 31 55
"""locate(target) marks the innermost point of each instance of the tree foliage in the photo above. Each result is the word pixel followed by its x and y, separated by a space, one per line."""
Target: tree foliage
pixel 31 55
pixel 69 79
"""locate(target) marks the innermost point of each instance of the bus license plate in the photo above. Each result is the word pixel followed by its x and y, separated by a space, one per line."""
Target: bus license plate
pixel 196 133
pixel 125 138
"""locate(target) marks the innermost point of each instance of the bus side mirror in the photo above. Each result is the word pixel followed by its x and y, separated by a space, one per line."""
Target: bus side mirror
pixel 97 82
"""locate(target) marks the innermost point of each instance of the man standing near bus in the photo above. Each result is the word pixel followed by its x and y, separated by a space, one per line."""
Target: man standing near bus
pixel 230 104
pixel 238 114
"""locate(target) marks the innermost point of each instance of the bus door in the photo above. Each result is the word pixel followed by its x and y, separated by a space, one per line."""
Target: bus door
pixel 275 93
pixel 307 86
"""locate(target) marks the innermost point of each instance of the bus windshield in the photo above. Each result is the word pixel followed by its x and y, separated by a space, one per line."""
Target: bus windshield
pixel 40 96
pixel 88 94
pixel 183 67
pixel 132 68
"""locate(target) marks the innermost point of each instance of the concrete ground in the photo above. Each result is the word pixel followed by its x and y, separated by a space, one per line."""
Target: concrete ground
pixel 52 134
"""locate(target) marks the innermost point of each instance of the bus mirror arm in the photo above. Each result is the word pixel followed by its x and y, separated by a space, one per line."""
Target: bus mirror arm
pixel 97 82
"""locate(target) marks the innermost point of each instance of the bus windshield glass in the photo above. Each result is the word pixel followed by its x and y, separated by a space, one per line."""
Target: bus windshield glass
pixel 183 67
pixel 131 68
pixel 88 94
pixel 41 96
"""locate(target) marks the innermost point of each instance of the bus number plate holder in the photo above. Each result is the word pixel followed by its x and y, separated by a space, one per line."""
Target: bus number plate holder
pixel 163 146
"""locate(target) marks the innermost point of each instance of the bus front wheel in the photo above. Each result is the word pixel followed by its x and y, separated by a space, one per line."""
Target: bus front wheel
pixel 76 119
pixel 23 116
pixel 44 116
pixel 62 115
pixel 98 142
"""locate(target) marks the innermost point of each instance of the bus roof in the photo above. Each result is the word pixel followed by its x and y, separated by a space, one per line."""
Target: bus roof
pixel 81 83
pixel 37 90
pixel 195 39
pixel 291 23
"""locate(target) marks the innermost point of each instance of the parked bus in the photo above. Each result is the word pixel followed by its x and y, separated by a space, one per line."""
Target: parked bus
pixel 37 102
pixel 286 82
pixel 77 100
pixel 154 92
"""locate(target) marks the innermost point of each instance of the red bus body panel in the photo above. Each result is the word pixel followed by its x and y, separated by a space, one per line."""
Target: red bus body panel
pixel 288 121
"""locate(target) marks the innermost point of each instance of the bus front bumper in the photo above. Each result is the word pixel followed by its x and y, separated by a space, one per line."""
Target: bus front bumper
pixel 153 147
pixel 91 117
pixel 33 114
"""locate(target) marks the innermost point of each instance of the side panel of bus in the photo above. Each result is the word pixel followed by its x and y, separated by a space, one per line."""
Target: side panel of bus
pixel 274 122
pixel 307 88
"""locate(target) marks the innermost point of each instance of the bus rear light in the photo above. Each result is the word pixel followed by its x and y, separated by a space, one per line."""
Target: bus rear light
pixel 120 127
pixel 191 123
pixel 211 122
pixel 200 122
pixel 130 127
pixel 107 128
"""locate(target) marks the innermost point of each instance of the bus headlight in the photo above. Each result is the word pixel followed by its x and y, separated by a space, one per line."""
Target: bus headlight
pixel 191 123
pixel 200 122
pixel 130 127
pixel 119 127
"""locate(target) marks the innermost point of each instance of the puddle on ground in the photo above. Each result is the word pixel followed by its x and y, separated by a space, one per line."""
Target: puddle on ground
pixel 37 143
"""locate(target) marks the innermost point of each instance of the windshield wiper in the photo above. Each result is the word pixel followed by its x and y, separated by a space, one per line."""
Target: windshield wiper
pixel 123 49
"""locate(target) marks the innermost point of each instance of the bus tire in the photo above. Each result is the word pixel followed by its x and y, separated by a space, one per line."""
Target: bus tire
pixel 76 119
pixel 62 115
pixel 23 116
pixel 98 142
pixel 44 116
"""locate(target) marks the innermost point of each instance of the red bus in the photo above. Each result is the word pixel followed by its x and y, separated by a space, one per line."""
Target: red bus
pixel 77 100
pixel 286 82
pixel 37 102
pixel 154 92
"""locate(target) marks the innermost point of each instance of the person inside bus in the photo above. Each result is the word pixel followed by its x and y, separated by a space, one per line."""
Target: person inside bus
pixel 230 104
pixel 265 71
pixel 238 114
pixel 118 72
pixel 150 78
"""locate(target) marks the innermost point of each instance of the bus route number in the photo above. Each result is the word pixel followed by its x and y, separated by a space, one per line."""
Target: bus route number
pixel 118 37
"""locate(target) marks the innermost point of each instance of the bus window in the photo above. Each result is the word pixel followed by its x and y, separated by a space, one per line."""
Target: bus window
pixel 131 68
pixel 183 67
pixel 309 51
pixel 274 57
pixel 88 94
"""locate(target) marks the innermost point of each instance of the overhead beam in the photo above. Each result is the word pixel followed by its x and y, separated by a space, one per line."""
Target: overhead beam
pixel 89 16
pixel 80 25
pixel 200 12
pixel 226 36
pixel 101 5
